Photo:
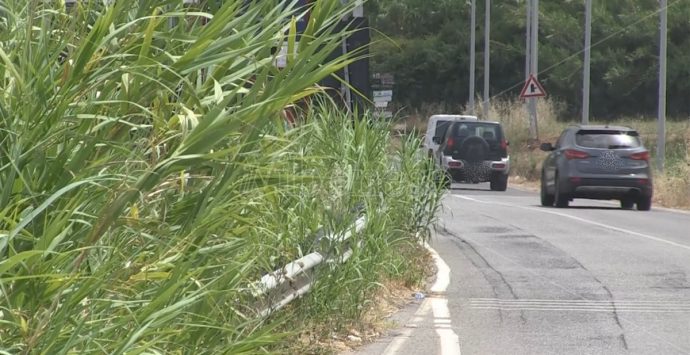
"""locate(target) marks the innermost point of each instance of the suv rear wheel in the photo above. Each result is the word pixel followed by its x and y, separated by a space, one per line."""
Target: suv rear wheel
pixel 644 203
pixel 627 203
pixel 560 199
pixel 499 182
pixel 547 199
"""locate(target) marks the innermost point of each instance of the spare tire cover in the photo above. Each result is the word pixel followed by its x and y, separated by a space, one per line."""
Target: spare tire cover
pixel 474 149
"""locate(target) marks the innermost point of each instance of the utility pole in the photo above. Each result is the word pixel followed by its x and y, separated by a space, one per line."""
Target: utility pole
pixel 661 129
pixel 534 67
pixel 487 36
pixel 588 57
pixel 528 39
pixel 473 49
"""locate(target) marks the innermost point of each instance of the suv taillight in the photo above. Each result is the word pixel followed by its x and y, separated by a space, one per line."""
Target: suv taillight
pixel 640 156
pixel 504 144
pixel 575 154
pixel 451 142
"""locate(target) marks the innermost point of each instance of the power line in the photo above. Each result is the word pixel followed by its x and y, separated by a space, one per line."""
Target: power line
pixel 578 53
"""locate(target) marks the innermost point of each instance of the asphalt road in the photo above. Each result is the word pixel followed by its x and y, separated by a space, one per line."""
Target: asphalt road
pixel 523 279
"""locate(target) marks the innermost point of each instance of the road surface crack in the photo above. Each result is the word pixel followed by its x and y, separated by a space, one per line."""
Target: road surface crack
pixel 483 265
pixel 614 311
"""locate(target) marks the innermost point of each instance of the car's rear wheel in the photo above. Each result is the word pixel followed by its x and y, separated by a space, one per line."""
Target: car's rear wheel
pixel 560 199
pixel 547 199
pixel 627 203
pixel 644 203
pixel 499 182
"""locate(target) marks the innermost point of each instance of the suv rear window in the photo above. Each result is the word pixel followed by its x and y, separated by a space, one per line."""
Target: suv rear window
pixel 607 139
pixel 441 128
pixel 491 132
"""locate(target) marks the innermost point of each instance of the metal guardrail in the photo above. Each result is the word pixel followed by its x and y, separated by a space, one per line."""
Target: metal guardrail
pixel 296 278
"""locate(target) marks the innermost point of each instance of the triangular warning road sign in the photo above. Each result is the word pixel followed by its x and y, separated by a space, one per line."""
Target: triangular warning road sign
pixel 532 88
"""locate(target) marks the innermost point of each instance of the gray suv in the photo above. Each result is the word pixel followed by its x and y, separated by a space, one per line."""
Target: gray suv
pixel 597 162
pixel 474 151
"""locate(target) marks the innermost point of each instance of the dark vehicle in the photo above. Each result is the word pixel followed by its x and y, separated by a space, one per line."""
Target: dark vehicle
pixel 597 162
pixel 474 151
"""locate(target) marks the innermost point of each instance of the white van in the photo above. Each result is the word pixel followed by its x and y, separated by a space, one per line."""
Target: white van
pixel 437 126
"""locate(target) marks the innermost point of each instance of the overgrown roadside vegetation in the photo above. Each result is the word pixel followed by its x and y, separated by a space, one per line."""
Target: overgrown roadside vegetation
pixel 147 179
pixel 671 189
pixel 400 196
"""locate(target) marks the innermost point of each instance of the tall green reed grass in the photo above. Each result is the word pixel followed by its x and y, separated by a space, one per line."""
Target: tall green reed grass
pixel 145 177
pixel 400 196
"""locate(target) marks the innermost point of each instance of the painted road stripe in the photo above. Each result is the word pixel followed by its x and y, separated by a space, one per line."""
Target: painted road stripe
pixel 581 306
pixel 450 341
pixel 536 300
pixel 633 324
pixel 584 310
pixel 602 225
pixel 442 273
pixel 581 302
pixel 438 305
pixel 394 347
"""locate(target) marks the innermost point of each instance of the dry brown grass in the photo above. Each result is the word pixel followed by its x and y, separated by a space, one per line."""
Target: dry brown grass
pixel 672 188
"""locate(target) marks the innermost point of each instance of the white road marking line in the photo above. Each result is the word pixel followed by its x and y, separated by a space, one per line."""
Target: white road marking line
pixel 394 347
pixel 573 292
pixel 585 310
pixel 442 321
pixel 577 300
pixel 450 341
pixel 641 303
pixel 629 309
pixel 584 306
pixel 602 225
pixel 442 273
pixel 666 209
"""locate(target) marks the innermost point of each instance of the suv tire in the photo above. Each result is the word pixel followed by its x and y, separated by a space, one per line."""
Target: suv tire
pixel 560 199
pixel 644 203
pixel 499 182
pixel 547 200
pixel 627 203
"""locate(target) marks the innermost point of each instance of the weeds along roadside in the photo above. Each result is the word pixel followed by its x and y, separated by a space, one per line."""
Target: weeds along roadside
pixel 139 201
pixel 400 198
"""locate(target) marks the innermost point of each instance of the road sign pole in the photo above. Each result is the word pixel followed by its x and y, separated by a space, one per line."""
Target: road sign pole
pixel 534 50
pixel 487 33
pixel 528 39
pixel 661 129
pixel 588 56
pixel 473 48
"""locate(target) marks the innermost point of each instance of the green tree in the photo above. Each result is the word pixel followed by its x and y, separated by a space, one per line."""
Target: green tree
pixel 431 45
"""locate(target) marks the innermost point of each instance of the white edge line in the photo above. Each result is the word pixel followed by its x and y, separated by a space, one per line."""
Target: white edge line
pixel 602 225
pixel 655 206
pixel 442 272
pixel 450 341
